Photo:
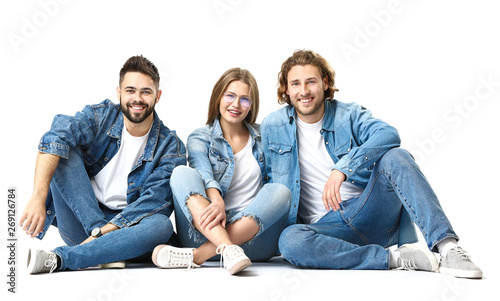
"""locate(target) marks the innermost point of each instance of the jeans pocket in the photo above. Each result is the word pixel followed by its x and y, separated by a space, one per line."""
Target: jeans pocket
pixel 393 235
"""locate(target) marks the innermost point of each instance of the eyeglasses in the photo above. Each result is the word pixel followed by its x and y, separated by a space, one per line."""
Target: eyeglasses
pixel 245 101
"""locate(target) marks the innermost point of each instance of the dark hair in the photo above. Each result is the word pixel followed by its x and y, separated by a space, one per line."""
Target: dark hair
pixel 231 75
pixel 305 57
pixel 143 65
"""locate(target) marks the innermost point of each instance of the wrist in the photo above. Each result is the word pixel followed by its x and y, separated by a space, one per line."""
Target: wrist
pixel 108 228
pixel 213 194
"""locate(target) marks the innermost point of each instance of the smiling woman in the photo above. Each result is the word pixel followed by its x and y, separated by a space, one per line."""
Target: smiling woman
pixel 222 202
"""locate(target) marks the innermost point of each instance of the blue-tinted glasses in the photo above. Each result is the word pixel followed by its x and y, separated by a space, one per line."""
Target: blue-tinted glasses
pixel 245 101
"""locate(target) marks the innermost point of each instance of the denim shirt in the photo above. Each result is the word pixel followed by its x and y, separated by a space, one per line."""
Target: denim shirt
pixel 96 131
pixel 354 139
pixel 212 156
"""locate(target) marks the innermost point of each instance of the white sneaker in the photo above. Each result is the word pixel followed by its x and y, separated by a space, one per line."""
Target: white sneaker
pixel 234 258
pixel 457 263
pixel 415 258
pixel 169 257
pixel 41 261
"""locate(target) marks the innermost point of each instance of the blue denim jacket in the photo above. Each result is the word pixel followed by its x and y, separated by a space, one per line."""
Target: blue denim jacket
pixel 212 156
pixel 96 131
pixel 354 139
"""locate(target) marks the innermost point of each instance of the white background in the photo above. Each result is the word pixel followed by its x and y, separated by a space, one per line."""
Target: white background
pixel 430 68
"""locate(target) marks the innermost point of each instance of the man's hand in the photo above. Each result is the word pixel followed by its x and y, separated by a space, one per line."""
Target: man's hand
pixel 331 193
pixel 215 212
pixel 33 217
pixel 34 213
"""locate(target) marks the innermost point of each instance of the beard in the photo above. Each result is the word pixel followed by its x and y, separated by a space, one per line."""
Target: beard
pixel 136 117
pixel 307 111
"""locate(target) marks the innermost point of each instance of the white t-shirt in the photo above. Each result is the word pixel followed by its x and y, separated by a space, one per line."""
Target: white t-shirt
pixel 315 168
pixel 246 181
pixel 110 184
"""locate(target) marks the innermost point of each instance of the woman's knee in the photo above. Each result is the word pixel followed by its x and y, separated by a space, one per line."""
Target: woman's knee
pixel 182 173
pixel 185 182
pixel 279 194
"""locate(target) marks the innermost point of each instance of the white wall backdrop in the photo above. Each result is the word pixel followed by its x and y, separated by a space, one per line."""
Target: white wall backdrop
pixel 430 68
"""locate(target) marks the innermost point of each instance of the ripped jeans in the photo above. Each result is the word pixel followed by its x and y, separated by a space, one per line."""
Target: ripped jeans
pixel 269 209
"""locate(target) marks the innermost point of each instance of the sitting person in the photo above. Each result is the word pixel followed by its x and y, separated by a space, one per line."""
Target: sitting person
pixel 359 193
pixel 102 178
pixel 221 201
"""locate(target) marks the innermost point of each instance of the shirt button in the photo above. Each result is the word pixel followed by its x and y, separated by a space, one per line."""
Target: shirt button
pixel 348 149
pixel 106 159
pixel 49 212
pixel 280 150
pixel 326 142
pixel 350 169
pixel 260 159
pixel 353 182
pixel 366 158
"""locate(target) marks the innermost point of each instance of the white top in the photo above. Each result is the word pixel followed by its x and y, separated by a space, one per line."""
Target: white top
pixel 315 167
pixel 110 184
pixel 246 181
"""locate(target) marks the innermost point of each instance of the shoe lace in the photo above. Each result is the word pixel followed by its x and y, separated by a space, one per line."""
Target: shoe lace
pixel 181 259
pixel 231 252
pixel 460 252
pixel 407 264
pixel 219 251
pixel 51 263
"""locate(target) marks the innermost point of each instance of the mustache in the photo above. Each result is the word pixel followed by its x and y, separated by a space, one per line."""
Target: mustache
pixel 138 103
pixel 134 103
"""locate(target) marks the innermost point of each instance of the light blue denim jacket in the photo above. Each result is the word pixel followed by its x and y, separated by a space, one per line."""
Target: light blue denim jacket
pixel 354 139
pixel 212 156
pixel 97 131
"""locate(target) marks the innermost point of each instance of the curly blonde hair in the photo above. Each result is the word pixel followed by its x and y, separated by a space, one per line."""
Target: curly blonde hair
pixel 305 57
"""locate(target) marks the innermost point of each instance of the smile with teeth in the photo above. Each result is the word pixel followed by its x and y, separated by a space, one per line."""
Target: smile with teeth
pixel 234 112
pixel 306 100
pixel 137 108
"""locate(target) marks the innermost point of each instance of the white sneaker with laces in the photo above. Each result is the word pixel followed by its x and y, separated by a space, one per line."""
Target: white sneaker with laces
pixel 414 258
pixel 234 258
pixel 41 261
pixel 169 257
pixel 457 263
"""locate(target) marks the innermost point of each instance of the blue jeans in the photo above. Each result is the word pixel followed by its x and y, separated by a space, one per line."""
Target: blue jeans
pixel 78 212
pixel 357 235
pixel 269 209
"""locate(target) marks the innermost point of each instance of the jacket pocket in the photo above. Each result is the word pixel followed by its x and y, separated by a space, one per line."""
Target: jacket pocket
pixel 280 158
pixel 218 162
pixel 344 148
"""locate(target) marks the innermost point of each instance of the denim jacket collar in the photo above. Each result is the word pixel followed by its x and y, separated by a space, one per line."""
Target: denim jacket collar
pixel 329 121
pixel 216 130
pixel 115 131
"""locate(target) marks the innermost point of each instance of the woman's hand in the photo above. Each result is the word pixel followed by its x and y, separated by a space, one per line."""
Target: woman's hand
pixel 215 213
